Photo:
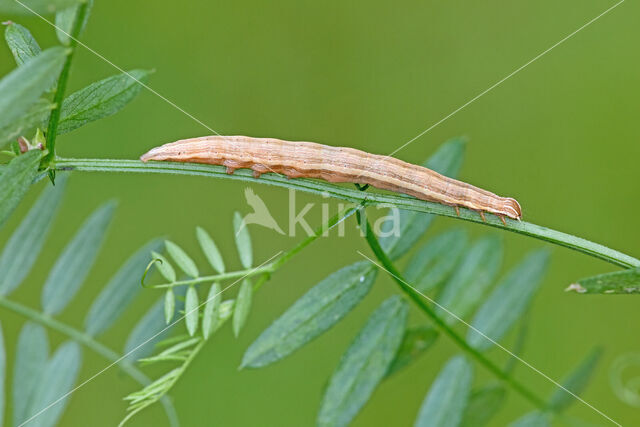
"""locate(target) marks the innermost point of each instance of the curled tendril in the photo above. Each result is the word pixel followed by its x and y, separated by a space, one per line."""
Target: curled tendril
pixel 146 270
pixel 624 376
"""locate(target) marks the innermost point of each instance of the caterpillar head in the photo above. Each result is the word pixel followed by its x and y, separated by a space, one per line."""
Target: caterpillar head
pixel 512 208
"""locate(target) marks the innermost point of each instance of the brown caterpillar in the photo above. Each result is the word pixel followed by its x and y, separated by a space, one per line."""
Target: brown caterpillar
pixel 334 164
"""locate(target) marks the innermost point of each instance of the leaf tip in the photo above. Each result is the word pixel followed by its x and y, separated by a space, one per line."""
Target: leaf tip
pixel 576 287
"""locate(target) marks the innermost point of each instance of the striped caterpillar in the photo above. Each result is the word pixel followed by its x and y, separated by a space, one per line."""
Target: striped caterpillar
pixel 334 164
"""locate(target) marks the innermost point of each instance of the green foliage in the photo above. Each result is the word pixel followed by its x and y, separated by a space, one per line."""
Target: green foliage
pixel 75 261
pixel 164 267
pixel 243 306
pixel 415 342
pixel 319 309
pixel 508 302
pixel 33 366
pixel 16 179
pixel 211 311
pixel 473 275
pixel 32 353
pixel 447 399
pixel 243 241
pixel 446 161
pixel 210 250
pixel 575 382
pixel 181 258
pixel 21 43
pixel 65 19
pixel 364 364
pixel 24 85
pixel 22 250
pixel 150 329
pixel 618 282
pixel 119 292
pixel 191 310
pixel 436 260
pixel 533 419
pixel 57 378
pixel 169 305
pixel 33 117
pixel 462 274
pixel 483 405
pixel 100 99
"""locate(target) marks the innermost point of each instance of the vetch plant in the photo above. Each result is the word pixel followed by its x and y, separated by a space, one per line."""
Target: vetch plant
pixel 450 279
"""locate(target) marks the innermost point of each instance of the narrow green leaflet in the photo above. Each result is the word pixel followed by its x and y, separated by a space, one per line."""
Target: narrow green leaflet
pixel 65 21
pixel 436 260
pixel 210 250
pixel 118 293
pixel 56 380
pixel 32 352
pixel 619 282
pixel 319 309
pixel 483 405
pixel 24 85
pixel 211 311
pixel 25 244
pixel 508 301
pixel 35 116
pixel 16 179
pixel 474 274
pixel 100 99
pixel 412 225
pixel 3 368
pixel 77 258
pixel 164 267
pixel 181 258
pixel 242 306
pixel 142 339
pixel 169 305
pixel 21 43
pixel 575 382
pixel 364 364
pixel 38 6
pixel 243 241
pixel 191 313
pixel 415 342
pixel 448 396
pixel 533 419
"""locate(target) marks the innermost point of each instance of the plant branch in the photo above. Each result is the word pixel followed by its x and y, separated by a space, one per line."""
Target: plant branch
pixel 54 116
pixel 419 300
pixel 352 195
pixel 90 343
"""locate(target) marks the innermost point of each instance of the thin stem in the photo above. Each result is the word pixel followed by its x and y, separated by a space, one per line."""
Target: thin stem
pixel 355 196
pixel 173 381
pixel 443 326
pixel 90 343
pixel 268 268
pixel 54 116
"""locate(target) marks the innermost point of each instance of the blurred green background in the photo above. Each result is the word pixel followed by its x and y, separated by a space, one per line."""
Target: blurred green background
pixel 561 136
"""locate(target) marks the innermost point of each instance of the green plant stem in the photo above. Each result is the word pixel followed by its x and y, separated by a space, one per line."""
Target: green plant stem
pixel 268 268
pixel 90 343
pixel 183 368
pixel 265 270
pixel 352 195
pixel 54 116
pixel 419 300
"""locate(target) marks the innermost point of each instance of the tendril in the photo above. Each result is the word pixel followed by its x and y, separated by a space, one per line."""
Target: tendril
pixel 146 270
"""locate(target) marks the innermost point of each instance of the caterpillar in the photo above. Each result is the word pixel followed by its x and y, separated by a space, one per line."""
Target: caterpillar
pixel 334 164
